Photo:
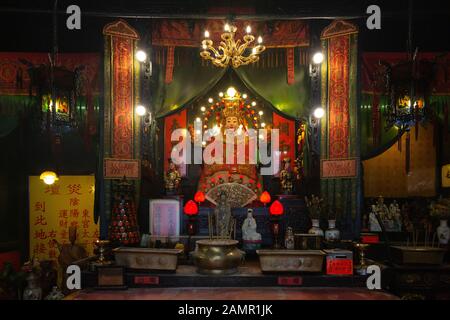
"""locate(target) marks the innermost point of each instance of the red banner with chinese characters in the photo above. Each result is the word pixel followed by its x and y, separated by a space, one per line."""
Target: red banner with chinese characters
pixel 339 116
pixel 53 209
pixel 122 98
pixel 287 137
pixel 171 123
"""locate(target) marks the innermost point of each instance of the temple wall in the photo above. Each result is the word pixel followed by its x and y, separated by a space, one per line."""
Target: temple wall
pixel 386 174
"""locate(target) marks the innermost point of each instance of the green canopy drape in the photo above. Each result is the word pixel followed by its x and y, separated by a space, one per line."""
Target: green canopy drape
pixel 189 81
pixel 11 107
pixel 195 78
pixel 271 84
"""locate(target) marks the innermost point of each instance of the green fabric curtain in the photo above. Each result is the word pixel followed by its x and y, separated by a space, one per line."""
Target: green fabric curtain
pixel 11 107
pixel 189 81
pixel 195 78
pixel 271 84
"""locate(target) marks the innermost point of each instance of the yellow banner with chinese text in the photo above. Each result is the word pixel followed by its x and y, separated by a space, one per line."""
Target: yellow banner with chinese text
pixel 53 209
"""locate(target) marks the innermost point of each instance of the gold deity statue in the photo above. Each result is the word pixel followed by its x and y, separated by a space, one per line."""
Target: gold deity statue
pixel 172 179
pixel 286 177
pixel 239 178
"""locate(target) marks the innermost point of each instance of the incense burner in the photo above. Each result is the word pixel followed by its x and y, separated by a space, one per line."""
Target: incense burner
pixel 217 257
pixel 417 255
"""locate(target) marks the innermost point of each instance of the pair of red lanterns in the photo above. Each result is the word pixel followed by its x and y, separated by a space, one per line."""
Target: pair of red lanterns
pixel 276 209
pixel 191 207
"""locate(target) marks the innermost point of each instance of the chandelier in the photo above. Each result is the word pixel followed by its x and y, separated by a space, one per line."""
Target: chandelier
pixel 237 53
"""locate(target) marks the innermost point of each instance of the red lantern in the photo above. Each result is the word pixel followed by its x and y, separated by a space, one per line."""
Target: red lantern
pixel 265 197
pixel 276 209
pixel 199 197
pixel 190 208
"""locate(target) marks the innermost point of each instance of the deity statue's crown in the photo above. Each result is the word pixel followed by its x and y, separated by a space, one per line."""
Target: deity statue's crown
pixel 232 100
pixel 232 109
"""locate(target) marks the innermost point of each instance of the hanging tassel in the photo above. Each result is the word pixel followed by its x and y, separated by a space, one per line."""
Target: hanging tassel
pixel 170 64
pixel 376 119
pixel 290 65
pixel 435 124
pixel 417 123
pixel 446 122
pixel 408 152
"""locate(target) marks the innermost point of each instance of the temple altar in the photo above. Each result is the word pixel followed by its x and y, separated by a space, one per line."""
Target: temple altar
pixel 225 150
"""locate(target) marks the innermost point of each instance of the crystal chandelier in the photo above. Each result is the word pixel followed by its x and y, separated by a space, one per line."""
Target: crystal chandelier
pixel 231 51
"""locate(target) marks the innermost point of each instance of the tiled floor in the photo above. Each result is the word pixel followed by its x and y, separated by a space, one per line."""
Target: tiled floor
pixel 266 293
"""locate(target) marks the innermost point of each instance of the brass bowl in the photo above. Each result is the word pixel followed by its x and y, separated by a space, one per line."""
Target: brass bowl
pixel 217 257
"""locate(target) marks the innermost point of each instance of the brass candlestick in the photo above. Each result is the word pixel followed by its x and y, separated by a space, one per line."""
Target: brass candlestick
pixel 101 244
pixel 361 268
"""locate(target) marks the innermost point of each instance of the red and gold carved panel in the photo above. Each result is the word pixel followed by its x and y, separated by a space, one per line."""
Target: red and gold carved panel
pixel 122 98
pixel 339 116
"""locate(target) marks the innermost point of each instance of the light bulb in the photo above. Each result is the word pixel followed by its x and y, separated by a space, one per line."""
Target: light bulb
pixel 231 92
pixel 254 103
pixel 248 29
pixel 221 94
pixel 203 143
pixel 141 56
pixel 204 46
pixel 254 51
pixel 244 96
pixel 141 110
pixel 198 119
pixel 49 180
pixel 202 109
pixel 210 100
pixel 319 112
pixel 260 39
pixel 49 177
pixel 226 27
pixel 318 57
pixel 206 34
pixel 263 125
pixel 261 113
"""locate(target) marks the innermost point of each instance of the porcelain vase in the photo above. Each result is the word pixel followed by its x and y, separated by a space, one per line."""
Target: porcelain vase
pixel 332 233
pixel 315 229
pixel 443 232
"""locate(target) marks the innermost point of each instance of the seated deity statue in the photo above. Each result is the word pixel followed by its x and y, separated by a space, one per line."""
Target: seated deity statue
pixel 249 228
pixel 172 179
pixel 235 175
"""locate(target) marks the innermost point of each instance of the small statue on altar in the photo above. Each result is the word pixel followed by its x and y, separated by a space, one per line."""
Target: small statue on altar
pixel 249 228
pixel 172 179
pixel 251 239
pixel 382 209
pixel 397 215
pixel 286 177
pixel 289 240
pixel 223 223
pixel 374 225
